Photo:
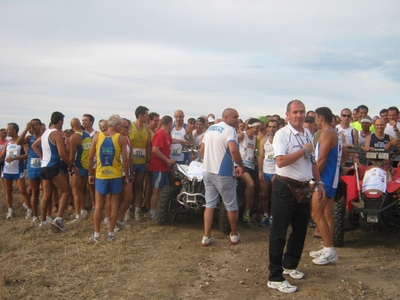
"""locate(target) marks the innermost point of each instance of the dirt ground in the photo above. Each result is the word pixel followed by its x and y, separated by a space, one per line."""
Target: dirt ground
pixel 153 262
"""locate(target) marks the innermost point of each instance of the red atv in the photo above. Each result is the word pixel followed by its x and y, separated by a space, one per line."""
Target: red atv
pixel 368 196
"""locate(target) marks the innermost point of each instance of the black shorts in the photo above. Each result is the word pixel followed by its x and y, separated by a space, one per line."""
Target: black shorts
pixel 253 173
pixel 49 172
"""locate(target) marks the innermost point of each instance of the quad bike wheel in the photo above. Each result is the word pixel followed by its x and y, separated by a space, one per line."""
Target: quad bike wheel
pixel 167 206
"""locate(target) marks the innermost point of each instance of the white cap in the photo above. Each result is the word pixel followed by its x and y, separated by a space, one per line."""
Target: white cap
pixel 211 120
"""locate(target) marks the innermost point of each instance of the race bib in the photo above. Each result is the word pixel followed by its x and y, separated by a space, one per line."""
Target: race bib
pixel 138 153
pixel 35 162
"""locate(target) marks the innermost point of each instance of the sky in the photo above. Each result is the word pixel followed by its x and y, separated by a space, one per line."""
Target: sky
pixel 106 57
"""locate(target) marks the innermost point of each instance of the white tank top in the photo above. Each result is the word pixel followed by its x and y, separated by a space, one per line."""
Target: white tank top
pixel 269 160
pixel 246 149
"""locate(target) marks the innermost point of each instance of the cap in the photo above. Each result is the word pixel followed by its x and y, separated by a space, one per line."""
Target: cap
pixel 263 119
pixel 309 119
pixel 211 120
pixel 201 120
pixel 366 119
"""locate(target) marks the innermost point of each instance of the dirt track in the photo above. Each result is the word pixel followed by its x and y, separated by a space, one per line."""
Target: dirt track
pixel 153 262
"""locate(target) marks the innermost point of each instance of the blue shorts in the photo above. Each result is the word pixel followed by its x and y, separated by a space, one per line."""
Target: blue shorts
pixel 83 172
pixel 220 185
pixel 109 186
pixel 139 168
pixel 268 177
pixel 329 191
pixel 160 179
pixel 13 176
pixel 34 174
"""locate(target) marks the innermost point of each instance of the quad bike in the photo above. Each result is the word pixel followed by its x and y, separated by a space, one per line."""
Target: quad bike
pixel 368 197
pixel 187 196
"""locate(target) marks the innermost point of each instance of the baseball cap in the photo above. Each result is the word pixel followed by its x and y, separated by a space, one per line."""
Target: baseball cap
pixel 263 119
pixel 211 120
pixel 309 119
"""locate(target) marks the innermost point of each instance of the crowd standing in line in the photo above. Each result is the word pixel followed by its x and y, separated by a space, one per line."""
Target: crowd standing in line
pixel 125 165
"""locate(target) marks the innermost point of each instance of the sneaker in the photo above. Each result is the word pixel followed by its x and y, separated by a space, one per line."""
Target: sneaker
pixel 264 222
pixel 94 239
pixel 28 214
pixel 282 286
pixel 296 274
pixel 234 239
pixel 43 224
pixel 137 216
pixel 325 258
pixel 111 238
pixel 247 219
pixel 84 215
pixel 206 241
pixel 35 219
pixel 316 254
pixel 49 219
pixel 74 221
pixel 122 225
pixel 10 214
pixel 59 225
pixel 152 218
pixel 24 205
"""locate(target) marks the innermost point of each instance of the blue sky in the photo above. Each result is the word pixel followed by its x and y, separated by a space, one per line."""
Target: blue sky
pixel 105 57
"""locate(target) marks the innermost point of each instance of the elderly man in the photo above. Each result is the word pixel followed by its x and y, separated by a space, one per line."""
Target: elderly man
pixel 109 147
pixel 295 166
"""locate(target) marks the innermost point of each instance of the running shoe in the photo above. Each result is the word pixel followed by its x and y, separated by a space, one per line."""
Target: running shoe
pixel 234 239
pixel 282 286
pixel 325 258
pixel 246 218
pixel 111 238
pixel 10 214
pixel 264 222
pixel 59 225
pixel 94 239
pixel 206 241
pixel 296 274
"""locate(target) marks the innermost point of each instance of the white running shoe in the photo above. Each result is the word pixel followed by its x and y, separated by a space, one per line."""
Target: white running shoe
pixel 296 274
pixel 10 214
pixel 234 239
pixel 316 254
pixel 28 214
pixel 282 286
pixel 325 258
pixel 206 241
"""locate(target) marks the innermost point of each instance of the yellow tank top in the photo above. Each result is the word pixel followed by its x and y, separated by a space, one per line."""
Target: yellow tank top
pixel 108 155
pixel 138 140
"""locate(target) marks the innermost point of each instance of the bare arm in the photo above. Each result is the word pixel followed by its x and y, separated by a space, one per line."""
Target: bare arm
pixel 234 150
pixel 156 150
pixel 36 147
pixel 125 161
pixel 355 135
pixel 261 158
pixel 72 143
pixel 23 139
pixel 92 153
pixel 57 138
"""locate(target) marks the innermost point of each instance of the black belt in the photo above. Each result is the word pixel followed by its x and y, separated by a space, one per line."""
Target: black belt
pixel 293 182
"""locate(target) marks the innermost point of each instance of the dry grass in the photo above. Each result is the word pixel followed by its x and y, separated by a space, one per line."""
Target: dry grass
pixel 153 262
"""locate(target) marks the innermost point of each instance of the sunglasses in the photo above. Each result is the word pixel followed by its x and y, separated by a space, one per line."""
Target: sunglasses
pixel 346 116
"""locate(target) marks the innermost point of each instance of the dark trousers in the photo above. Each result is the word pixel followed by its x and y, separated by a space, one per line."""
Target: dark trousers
pixel 286 212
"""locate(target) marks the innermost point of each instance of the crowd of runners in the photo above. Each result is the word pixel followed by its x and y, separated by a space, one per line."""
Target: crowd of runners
pixel 124 165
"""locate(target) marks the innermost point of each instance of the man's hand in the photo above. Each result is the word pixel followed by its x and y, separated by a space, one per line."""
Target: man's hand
pixel 321 193
pixel 238 171
pixel 309 147
pixel 170 162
